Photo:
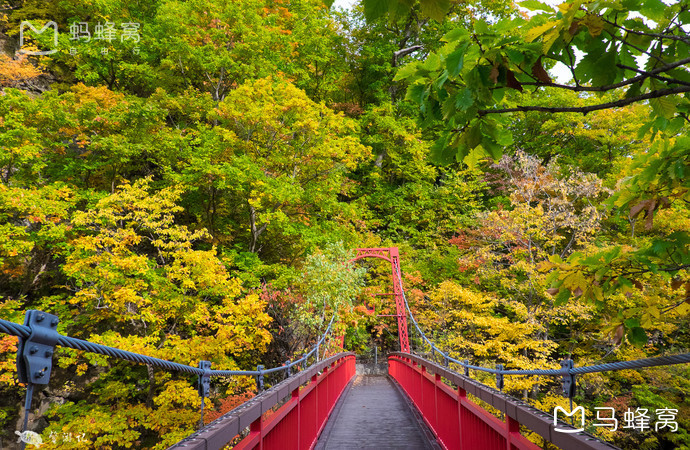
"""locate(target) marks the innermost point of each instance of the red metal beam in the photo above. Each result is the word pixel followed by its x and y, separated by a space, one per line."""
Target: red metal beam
pixel 392 255
pixel 460 424
pixel 296 424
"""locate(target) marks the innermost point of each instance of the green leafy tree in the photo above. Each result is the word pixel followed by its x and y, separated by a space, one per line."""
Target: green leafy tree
pixel 471 82
pixel 275 163
pixel 140 285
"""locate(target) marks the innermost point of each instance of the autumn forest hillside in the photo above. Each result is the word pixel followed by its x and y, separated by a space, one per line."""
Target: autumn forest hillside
pixel 187 180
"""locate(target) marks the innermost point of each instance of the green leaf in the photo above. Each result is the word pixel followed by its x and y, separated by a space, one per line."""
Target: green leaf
pixel 632 323
pixel 432 63
pixel 515 56
pixel 455 60
pixel 537 31
pixel 464 99
pixel 417 92
pixel 534 5
pixel 562 297
pixel 633 90
pixel 458 34
pixel 637 336
pixel 406 71
pixel 492 149
pixel 654 9
pixel 644 129
pixel 436 9
pixel 474 157
pixel 442 153
pixel 373 9
pixel 473 136
pixel 663 106
pixel 603 73
pixel 504 137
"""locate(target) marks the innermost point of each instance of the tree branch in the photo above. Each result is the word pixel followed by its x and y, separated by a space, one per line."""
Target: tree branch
pixel 672 37
pixel 586 109
pixel 658 77
pixel 610 87
pixel 404 52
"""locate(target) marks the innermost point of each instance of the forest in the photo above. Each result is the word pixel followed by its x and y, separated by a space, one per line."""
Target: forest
pixel 189 179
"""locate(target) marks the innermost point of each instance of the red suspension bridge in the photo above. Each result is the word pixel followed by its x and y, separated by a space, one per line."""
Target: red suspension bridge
pixel 419 404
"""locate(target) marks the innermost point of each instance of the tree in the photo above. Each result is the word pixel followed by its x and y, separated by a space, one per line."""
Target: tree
pixel 551 211
pixel 474 325
pixel 275 159
pixel 471 82
pixel 18 72
pixel 140 285
pixel 407 198
pixel 596 142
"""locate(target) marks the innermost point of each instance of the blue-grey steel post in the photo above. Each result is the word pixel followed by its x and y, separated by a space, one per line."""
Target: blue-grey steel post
pixel 260 378
pixel 499 377
pixel 204 386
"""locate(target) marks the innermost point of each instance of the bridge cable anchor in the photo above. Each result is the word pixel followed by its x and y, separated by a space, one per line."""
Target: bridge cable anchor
pixel 569 384
pixel 204 386
pixel 35 355
pixel 499 377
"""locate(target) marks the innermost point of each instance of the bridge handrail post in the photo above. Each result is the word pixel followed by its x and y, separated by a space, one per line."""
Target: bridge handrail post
pixel 260 378
pixel 467 367
pixel 288 370
pixel 204 387
pixel 569 383
pixel 499 377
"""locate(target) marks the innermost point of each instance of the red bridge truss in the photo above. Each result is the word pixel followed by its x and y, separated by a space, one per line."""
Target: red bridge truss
pixel 391 254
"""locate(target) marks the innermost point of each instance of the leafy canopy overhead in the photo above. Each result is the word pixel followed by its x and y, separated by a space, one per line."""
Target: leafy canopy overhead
pixel 635 49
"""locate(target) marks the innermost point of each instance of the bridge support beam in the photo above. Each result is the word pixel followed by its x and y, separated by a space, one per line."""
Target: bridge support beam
pixel 392 255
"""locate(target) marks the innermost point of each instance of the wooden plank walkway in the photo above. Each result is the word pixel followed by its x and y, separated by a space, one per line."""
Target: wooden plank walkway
pixel 373 414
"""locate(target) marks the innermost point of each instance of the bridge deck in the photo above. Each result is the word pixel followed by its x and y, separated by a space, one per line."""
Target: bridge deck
pixel 373 414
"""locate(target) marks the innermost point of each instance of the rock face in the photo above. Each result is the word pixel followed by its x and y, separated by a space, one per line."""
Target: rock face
pixel 37 422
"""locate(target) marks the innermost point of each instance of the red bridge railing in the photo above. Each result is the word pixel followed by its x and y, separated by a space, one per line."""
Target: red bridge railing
pixel 294 425
pixel 460 424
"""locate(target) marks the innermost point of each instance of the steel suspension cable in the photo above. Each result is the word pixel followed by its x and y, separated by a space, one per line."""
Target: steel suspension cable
pixel 668 360
pixel 24 331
